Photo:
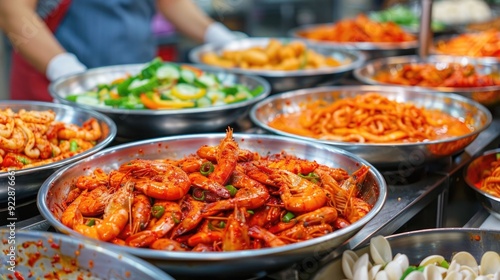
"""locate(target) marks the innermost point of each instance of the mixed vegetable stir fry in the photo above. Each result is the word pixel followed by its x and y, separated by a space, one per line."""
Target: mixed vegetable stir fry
pixel 161 85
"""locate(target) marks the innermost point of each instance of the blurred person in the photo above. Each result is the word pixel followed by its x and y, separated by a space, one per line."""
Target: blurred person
pixel 54 38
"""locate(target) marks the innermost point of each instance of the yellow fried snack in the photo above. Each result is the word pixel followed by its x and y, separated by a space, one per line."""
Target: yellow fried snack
pixel 274 56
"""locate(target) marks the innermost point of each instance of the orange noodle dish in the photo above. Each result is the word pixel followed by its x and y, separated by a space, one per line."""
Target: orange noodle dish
pixel 431 75
pixel 358 29
pixel 34 138
pixel 369 118
pixel 221 198
pixel 490 182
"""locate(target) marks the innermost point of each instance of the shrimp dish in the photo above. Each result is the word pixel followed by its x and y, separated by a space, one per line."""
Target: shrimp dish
pixel 34 138
pixel 218 198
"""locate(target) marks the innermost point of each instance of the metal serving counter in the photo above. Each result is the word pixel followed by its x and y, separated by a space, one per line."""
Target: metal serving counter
pixel 410 190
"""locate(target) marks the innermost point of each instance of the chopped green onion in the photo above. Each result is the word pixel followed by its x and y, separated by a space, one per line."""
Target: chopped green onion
pixel 288 217
pixel 176 220
pixel 251 212
pixel 498 156
pixel 201 198
pixel 23 160
pixel 409 270
pixel 444 264
pixel 91 222
pixel 222 224
pixel 73 146
pixel 158 211
pixel 313 177
pixel 207 168
pixel 232 190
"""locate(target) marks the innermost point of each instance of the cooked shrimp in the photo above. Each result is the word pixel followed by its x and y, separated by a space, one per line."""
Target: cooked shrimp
pixel 16 142
pixel 71 215
pixel 270 238
pixel 235 235
pixel 40 117
pixel 98 178
pixel 293 164
pixel 6 125
pixel 191 213
pixel 141 212
pixel 266 214
pixel 167 244
pixel 171 216
pixel 163 181
pixel 191 164
pixel 205 235
pixel 227 157
pixel 115 217
pixel 29 149
pixel 90 131
pixel 251 195
pixel 359 208
pixel 302 232
pixel 202 182
pixel 298 194
pixel 210 153
pixel 95 201
pixel 323 215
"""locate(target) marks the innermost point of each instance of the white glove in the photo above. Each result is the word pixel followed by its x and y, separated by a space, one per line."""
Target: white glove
pixel 218 33
pixel 62 65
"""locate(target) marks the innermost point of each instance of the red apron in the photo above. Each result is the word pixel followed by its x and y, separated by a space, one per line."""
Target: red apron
pixel 26 83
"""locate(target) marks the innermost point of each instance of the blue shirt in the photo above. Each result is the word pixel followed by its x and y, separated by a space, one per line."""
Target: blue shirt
pixel 109 32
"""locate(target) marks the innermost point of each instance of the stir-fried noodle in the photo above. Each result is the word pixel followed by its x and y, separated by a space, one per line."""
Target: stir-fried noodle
pixel 370 118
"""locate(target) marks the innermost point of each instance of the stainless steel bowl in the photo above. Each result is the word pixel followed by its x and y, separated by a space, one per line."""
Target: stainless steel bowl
pixel 143 124
pixel 422 243
pixel 27 181
pixel 382 155
pixel 473 176
pixel 218 265
pixel 289 80
pixel 371 49
pixel 488 96
pixel 63 257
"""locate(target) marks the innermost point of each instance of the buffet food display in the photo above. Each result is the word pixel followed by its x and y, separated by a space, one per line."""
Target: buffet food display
pixel 276 55
pixel 355 119
pixel 423 254
pixel 286 63
pixel 481 44
pixel 222 198
pixel 191 202
pixel 165 86
pixel 32 138
pixel 370 118
pixel 481 175
pixel 283 223
pixel 37 138
pixel 474 79
pixel 358 29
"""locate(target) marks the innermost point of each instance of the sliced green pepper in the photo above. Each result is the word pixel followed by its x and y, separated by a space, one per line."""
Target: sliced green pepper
pixel 157 211
pixel 73 146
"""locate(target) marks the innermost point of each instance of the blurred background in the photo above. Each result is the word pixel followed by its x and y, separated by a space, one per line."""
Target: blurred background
pixel 254 17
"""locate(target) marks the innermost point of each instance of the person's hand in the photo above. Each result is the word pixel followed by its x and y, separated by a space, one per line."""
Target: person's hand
pixel 217 33
pixel 62 65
